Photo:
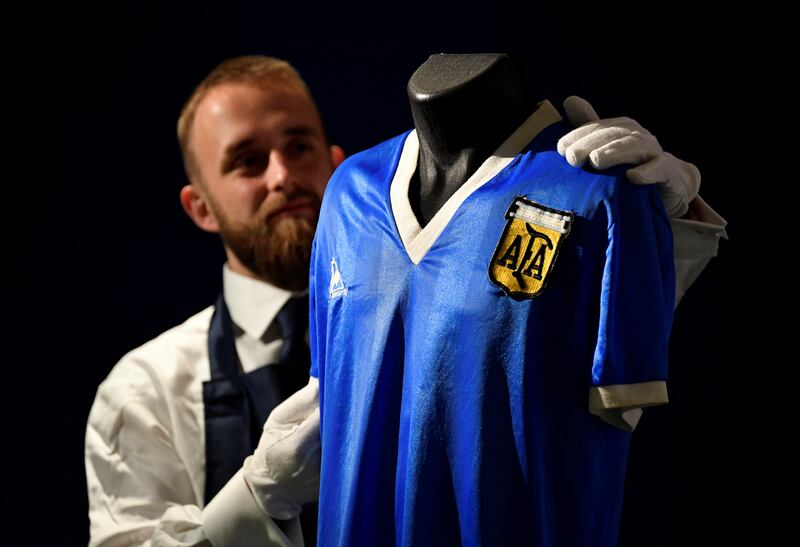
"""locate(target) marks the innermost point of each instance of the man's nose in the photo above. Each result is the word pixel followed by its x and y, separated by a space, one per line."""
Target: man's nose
pixel 279 174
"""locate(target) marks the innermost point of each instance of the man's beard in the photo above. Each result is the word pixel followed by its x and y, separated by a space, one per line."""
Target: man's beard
pixel 278 251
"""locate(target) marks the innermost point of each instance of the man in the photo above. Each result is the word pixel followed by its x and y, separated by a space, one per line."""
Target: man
pixel 172 422
pixel 167 428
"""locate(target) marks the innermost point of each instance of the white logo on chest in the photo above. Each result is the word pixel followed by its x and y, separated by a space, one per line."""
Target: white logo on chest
pixel 337 287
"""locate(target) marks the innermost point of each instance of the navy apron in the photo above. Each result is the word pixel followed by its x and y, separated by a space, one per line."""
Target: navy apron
pixel 237 404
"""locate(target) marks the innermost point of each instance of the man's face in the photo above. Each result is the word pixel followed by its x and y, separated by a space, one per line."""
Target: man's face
pixel 263 164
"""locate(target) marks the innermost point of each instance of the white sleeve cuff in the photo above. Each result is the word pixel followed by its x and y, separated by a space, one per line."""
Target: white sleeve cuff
pixel 626 420
pixel 621 405
pixel 233 518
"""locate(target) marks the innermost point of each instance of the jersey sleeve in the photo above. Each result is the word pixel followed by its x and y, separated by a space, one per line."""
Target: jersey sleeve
pixel 629 369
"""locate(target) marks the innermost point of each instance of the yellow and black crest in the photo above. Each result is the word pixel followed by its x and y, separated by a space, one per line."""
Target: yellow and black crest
pixel 528 248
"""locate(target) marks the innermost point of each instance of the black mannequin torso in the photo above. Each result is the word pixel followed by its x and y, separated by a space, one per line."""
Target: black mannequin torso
pixel 464 107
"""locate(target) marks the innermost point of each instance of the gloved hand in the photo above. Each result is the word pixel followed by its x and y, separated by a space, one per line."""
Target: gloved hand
pixel 283 472
pixel 615 141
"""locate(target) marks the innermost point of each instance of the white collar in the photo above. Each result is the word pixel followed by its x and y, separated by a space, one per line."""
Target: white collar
pixel 253 304
pixel 418 240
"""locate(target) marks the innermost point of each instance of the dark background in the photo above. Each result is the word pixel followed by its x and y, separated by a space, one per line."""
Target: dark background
pixel 104 258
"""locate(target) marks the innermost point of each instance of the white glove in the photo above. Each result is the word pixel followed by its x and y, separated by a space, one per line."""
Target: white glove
pixel 283 472
pixel 615 141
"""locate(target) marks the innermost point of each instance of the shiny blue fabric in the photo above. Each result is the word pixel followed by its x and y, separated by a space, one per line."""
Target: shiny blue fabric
pixel 453 414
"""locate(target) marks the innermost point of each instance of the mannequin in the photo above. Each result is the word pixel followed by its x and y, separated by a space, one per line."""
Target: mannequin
pixel 456 137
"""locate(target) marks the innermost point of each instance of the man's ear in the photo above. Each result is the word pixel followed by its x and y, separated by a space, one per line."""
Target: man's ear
pixel 337 155
pixel 196 206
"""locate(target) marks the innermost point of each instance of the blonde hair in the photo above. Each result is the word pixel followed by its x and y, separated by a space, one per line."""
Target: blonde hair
pixel 259 70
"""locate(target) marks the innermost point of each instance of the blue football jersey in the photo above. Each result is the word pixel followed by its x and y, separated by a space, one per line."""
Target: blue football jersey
pixel 464 367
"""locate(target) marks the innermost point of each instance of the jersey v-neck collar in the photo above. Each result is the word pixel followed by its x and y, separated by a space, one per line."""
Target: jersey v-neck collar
pixel 418 240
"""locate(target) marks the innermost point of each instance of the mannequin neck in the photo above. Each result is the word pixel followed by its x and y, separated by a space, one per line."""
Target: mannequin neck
pixel 464 107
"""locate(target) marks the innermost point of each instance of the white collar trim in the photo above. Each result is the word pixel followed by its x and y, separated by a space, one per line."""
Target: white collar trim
pixel 253 304
pixel 417 240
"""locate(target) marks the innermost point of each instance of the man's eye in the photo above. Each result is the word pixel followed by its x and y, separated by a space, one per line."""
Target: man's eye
pixel 251 162
pixel 300 147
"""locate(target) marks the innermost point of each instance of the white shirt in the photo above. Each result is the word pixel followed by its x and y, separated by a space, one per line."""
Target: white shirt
pixel 253 306
pixel 145 449
pixel 145 439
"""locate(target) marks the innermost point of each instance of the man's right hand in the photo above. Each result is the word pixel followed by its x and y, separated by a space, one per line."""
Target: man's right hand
pixel 283 472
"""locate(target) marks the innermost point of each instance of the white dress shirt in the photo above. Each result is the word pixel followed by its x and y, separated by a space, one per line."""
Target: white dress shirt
pixel 145 438
pixel 253 306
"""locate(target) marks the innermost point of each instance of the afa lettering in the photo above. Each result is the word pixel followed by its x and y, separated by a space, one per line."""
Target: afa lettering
pixel 533 259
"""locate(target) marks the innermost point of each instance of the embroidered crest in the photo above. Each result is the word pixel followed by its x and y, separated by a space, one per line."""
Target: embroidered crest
pixel 528 248
pixel 337 287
